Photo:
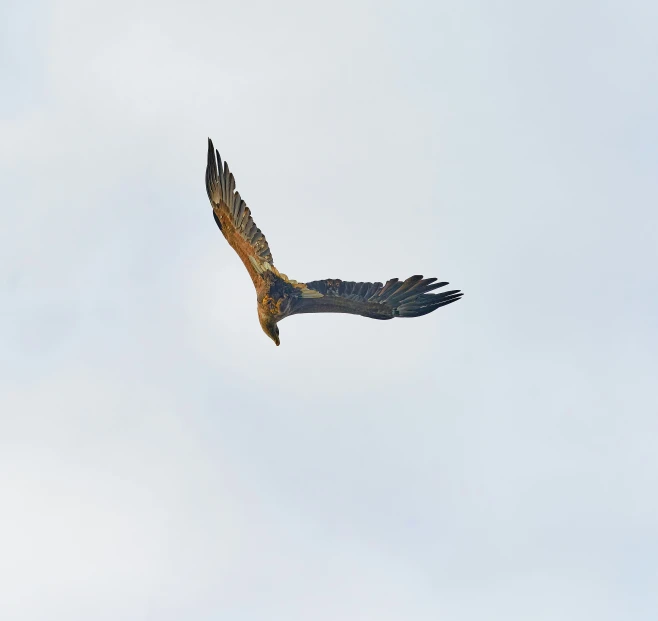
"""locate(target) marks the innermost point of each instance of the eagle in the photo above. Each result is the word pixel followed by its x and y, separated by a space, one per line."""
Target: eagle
pixel 279 297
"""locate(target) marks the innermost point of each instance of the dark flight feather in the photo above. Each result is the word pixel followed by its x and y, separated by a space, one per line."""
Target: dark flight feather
pixel 222 195
pixel 410 298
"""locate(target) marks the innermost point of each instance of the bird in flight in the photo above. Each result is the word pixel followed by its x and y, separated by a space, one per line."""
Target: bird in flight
pixel 279 296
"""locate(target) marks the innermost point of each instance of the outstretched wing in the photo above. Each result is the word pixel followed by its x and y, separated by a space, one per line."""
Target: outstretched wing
pixel 233 217
pixel 410 298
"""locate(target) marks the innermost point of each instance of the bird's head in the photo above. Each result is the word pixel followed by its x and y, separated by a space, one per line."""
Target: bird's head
pixel 269 326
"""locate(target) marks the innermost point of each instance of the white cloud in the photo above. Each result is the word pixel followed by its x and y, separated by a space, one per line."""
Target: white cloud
pixel 161 458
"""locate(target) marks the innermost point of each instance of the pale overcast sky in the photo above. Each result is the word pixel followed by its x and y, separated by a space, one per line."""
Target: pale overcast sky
pixel 161 459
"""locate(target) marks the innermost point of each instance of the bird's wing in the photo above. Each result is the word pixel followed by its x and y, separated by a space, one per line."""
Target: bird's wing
pixel 233 217
pixel 410 298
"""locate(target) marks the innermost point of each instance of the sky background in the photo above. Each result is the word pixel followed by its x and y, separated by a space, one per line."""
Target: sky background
pixel 161 459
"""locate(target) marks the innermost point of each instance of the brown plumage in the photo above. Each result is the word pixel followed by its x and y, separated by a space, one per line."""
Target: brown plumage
pixel 280 297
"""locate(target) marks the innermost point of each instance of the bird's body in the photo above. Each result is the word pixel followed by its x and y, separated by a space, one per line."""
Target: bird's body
pixel 279 297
